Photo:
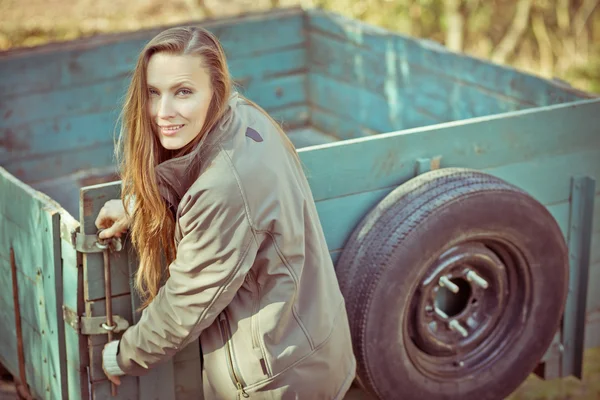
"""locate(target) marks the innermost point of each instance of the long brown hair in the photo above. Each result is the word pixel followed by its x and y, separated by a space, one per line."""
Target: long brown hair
pixel 139 150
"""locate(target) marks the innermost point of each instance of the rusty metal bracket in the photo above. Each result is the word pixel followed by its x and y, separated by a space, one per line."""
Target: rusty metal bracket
pixel 91 243
pixel 93 325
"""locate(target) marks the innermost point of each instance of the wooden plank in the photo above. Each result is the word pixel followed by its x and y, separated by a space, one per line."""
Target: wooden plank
pixel 263 66
pixel 81 61
pixel 277 92
pixel 91 201
pixel 579 239
pixel 592 327
pixel 284 95
pixel 92 98
pixel 438 59
pixel 337 126
pixel 535 181
pixel 188 380
pixel 339 216
pixel 32 349
pixel 8 344
pixel 159 382
pixel 31 306
pixel 56 165
pixel 304 137
pixel 126 391
pixel 92 198
pixel 417 91
pixel 65 189
pixel 58 134
pixel 42 145
pixel 77 358
pixel 290 117
pixel 34 238
pixel 353 103
pixel 386 160
pixel 121 306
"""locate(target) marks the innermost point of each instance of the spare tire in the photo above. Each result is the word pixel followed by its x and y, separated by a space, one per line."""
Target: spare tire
pixel 455 284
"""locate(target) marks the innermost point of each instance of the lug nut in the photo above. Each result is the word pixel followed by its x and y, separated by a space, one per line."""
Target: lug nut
pixel 479 281
pixel 447 283
pixel 457 327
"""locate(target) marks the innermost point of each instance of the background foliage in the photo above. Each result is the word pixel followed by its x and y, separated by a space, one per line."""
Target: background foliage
pixel 551 38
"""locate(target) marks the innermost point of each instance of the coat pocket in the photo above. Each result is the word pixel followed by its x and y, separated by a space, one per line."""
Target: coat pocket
pixel 254 328
pixel 232 366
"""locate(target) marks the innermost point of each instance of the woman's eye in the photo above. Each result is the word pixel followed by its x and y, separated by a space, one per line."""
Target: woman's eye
pixel 184 92
pixel 152 92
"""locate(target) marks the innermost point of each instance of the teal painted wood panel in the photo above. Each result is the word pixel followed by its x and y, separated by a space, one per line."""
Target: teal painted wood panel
pixel 105 57
pixel 277 92
pixel 305 137
pixel 8 344
pixel 353 103
pixel 290 117
pixel 263 66
pixel 73 147
pixel 337 126
pixel 58 134
pixel 52 166
pixel 439 60
pixel 375 162
pixel 75 343
pixel 29 223
pixel 416 94
pixel 30 308
pixel 64 102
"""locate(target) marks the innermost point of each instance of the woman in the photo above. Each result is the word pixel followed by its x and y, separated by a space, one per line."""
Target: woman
pixel 221 196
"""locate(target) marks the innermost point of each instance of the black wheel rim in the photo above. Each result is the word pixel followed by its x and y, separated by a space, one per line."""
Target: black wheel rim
pixel 467 309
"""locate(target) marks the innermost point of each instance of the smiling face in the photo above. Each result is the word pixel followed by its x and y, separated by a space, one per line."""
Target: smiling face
pixel 179 94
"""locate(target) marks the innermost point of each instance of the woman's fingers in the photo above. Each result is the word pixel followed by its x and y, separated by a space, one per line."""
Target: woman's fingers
pixel 112 219
pixel 114 230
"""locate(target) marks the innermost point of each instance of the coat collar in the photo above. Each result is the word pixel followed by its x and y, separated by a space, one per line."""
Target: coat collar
pixel 176 175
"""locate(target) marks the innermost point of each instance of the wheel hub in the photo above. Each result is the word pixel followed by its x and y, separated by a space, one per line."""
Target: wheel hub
pixel 462 304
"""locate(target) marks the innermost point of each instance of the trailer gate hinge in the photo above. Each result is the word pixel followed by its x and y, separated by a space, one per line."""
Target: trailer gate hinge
pixel 93 325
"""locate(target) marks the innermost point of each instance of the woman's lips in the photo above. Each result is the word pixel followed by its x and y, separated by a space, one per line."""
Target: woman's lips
pixel 170 130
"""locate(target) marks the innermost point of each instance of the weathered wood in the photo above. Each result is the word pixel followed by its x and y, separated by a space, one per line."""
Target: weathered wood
pixel 91 201
pixel 30 225
pixel 442 63
pixel 418 95
pixel 159 383
pixel 67 126
pixel 386 160
pixel 92 198
pixel 82 61
pixel 188 380
pixel 77 357
pixel 304 137
pixel 579 235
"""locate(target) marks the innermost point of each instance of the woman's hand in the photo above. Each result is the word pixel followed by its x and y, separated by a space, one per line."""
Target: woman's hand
pixel 113 219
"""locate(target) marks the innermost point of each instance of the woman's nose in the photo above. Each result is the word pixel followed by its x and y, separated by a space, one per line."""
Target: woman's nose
pixel 165 108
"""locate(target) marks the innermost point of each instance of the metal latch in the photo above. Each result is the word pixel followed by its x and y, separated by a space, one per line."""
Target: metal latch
pixel 92 244
pixel 93 325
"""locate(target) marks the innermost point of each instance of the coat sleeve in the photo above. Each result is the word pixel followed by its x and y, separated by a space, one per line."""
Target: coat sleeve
pixel 217 249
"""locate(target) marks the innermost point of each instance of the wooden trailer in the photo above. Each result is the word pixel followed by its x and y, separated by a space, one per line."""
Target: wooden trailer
pixel 399 137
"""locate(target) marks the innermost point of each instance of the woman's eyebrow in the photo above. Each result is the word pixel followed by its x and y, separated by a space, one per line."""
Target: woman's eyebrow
pixel 175 85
